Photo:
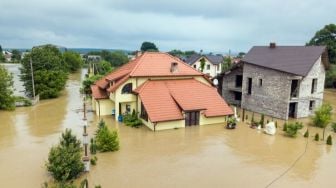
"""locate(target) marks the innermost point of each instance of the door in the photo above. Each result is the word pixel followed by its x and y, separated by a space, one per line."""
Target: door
pixel 292 110
pixel 192 118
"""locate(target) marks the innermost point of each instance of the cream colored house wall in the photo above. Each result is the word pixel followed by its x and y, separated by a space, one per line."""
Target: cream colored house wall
pixel 106 106
pixel 213 71
pixel 211 120
pixel 169 125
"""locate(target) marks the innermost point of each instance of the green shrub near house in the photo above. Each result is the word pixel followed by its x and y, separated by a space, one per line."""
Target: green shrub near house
pixel 317 137
pixel 132 119
pixel 105 139
pixel 284 127
pixel 292 129
pixel 306 134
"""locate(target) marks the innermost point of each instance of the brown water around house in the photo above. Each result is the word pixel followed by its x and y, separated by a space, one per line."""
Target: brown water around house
pixel 198 156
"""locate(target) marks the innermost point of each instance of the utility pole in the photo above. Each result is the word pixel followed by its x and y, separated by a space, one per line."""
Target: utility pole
pixel 86 158
pixel 32 75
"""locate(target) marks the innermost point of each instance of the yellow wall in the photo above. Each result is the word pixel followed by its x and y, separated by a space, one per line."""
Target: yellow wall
pixel 169 125
pixel 106 106
pixel 211 120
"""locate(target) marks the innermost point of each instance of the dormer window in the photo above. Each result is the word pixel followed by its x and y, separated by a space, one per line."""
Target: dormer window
pixel 127 89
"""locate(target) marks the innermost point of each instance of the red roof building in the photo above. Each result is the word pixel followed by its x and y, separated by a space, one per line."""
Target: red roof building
pixel 165 91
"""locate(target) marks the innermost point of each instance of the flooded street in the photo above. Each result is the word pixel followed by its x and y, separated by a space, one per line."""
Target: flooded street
pixel 200 156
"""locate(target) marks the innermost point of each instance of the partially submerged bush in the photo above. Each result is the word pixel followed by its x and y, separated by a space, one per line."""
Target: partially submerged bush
pixel 106 140
pixel 317 137
pixel 333 126
pixel 284 127
pixel 292 129
pixel 132 120
pixel 306 134
pixel 329 140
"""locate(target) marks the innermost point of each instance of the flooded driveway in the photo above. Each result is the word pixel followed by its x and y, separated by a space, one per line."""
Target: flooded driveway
pixel 200 156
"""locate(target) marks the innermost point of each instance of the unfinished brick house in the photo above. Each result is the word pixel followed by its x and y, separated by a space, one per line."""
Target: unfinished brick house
pixel 278 81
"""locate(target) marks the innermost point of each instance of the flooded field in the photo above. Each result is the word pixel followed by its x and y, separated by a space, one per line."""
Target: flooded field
pixel 200 156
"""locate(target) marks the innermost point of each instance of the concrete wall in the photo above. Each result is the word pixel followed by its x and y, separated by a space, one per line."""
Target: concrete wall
pixel 106 106
pixel 229 86
pixel 213 71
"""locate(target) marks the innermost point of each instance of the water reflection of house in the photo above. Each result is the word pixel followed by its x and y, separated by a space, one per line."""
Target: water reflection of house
pixel 279 81
pixel 165 91
pixel 213 63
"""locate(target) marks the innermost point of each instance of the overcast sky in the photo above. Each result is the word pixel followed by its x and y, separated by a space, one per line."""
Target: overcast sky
pixel 211 25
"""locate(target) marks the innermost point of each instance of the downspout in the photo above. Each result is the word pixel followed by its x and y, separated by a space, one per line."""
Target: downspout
pixel 99 109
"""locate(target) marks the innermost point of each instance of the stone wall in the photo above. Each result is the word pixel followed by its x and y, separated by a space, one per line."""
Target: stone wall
pixel 228 86
pixel 272 97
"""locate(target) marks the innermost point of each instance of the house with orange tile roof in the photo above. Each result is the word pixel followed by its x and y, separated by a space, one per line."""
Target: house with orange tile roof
pixel 166 92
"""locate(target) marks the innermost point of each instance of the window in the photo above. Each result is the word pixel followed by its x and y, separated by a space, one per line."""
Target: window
pixel 208 67
pixel 195 66
pixel 143 113
pixel 260 82
pixel 127 88
pixel 239 80
pixel 249 86
pixel 237 96
pixel 311 105
pixel 314 85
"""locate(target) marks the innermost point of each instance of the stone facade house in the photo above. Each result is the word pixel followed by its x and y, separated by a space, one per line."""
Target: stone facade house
pixel 213 63
pixel 166 92
pixel 278 81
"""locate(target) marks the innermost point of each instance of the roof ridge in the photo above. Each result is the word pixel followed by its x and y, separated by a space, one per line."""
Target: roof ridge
pixel 138 63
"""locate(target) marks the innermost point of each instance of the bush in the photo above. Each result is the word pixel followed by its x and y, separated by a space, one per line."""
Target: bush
pixel 333 126
pixel 25 101
pixel 306 134
pixel 262 120
pixel 93 160
pixel 64 160
pixel 132 120
pixel 276 124
pixel 292 129
pixel 284 127
pixel 317 137
pixel 322 117
pixel 329 140
pixel 93 146
pixel 106 139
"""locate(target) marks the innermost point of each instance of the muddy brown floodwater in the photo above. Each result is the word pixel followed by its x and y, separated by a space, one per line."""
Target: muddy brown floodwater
pixel 200 156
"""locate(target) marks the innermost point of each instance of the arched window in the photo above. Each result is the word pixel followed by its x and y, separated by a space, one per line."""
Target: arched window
pixel 127 88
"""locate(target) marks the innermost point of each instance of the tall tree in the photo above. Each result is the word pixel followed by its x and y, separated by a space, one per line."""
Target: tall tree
pixel 73 60
pixel 50 71
pixel 148 46
pixel 118 58
pixel 323 117
pixel 7 101
pixel 326 36
pixel 2 58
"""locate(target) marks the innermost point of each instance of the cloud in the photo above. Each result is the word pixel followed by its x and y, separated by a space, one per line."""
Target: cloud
pixel 213 25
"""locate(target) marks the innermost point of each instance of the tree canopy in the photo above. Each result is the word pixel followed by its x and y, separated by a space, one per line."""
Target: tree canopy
pixel 73 60
pixel 2 58
pixel 326 36
pixel 50 71
pixel 64 160
pixel 16 55
pixel 148 46
pixel 7 100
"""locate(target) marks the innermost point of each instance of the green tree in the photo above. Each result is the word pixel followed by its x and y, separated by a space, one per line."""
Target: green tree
pixel 90 81
pixel 292 129
pixel 148 46
pixel 118 58
pixel 317 137
pixel 16 55
pixel 330 80
pixel 202 65
pixel 2 57
pixel 322 117
pixel 241 54
pixel 329 140
pixel 102 68
pixel 64 160
pixel 72 60
pixel 326 36
pixel 7 100
pixel 227 64
pixel 106 139
pixel 50 71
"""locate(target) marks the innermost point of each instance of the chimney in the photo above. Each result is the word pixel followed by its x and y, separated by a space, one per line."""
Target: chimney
pixel 272 45
pixel 174 67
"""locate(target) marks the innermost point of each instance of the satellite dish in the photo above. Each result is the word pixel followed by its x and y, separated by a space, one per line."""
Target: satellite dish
pixel 215 82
